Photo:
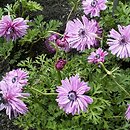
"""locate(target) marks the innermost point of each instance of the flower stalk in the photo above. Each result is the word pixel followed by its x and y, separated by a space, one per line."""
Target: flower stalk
pixel 107 71
pixel 56 33
pixel 59 76
pixel 110 74
pixel 46 94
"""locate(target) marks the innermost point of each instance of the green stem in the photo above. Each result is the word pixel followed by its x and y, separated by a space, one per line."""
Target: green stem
pixel 56 55
pixel 70 13
pixel 59 76
pixel 73 9
pixel 120 86
pixel 58 71
pixel 110 74
pixel 107 71
pixel 99 38
pixel 56 33
pixel 46 94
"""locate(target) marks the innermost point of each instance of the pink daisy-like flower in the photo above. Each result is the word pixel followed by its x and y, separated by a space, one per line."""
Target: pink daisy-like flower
pixel 119 42
pixel 127 114
pixel 12 29
pixel 81 35
pixel 17 78
pixel 11 99
pixel 93 7
pixel 71 96
pixel 98 56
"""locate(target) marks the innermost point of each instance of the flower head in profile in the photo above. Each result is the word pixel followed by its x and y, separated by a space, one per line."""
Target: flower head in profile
pixel 93 7
pixel 63 44
pixel 17 78
pixel 98 56
pixel 81 35
pixel 119 42
pixel 127 114
pixel 12 29
pixel 10 97
pixel 53 37
pixel 71 96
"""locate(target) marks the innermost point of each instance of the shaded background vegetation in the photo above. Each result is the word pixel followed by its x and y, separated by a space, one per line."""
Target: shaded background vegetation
pixel 53 9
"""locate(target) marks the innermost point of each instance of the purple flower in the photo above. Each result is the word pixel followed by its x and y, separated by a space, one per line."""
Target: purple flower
pixel 60 64
pixel 12 29
pixel 98 56
pixel 17 78
pixel 63 44
pixel 119 42
pixel 81 35
pixel 10 96
pixel 93 7
pixel 127 114
pixel 48 48
pixel 53 37
pixel 71 96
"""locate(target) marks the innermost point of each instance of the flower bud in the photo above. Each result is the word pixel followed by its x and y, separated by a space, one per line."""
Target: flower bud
pixel 60 64
pixel 60 43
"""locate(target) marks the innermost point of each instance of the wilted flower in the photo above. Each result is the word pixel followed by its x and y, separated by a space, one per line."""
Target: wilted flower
pixel 63 44
pixel 94 7
pixel 71 96
pixel 127 114
pixel 17 78
pixel 119 42
pixel 12 29
pixel 98 56
pixel 53 37
pixel 60 64
pixel 81 35
pixel 10 98
pixel 48 48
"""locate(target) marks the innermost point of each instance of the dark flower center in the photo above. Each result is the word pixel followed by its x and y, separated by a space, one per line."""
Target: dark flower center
pixel 72 95
pixel 82 33
pixel 1 99
pixel 14 79
pixel 123 41
pixel 94 3
pixel 10 30
pixel 97 56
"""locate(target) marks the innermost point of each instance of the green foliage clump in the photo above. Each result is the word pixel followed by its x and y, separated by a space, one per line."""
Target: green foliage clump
pixel 107 109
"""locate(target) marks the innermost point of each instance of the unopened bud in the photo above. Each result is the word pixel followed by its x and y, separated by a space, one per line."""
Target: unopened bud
pixel 60 64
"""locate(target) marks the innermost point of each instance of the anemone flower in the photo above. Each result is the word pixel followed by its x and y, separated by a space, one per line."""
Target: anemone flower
pixel 10 97
pixel 17 78
pixel 98 56
pixel 119 42
pixel 81 35
pixel 93 7
pixel 71 97
pixel 12 29
pixel 127 114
